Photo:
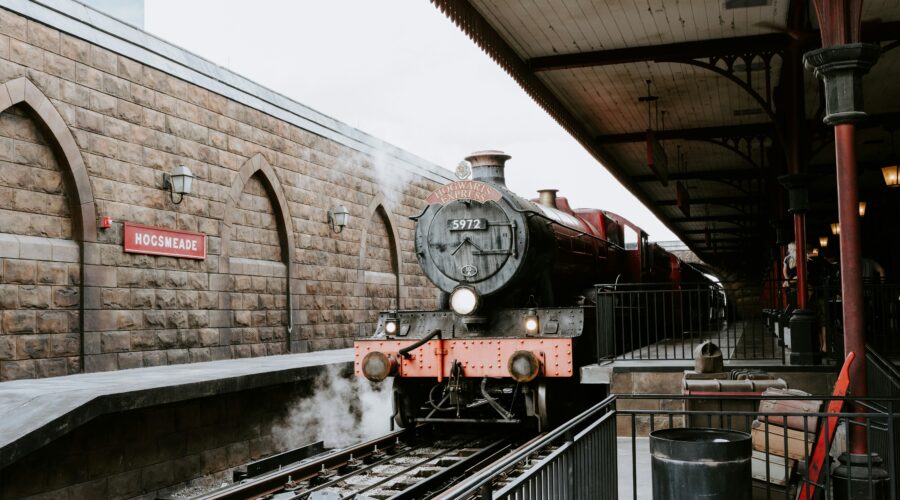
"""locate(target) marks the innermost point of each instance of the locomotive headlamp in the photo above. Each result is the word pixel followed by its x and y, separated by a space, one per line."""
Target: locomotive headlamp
pixel 532 322
pixel 463 301
pixel 391 324
pixel 524 366
pixel 377 366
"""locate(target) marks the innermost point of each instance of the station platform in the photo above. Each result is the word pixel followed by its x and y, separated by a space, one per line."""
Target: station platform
pixel 35 412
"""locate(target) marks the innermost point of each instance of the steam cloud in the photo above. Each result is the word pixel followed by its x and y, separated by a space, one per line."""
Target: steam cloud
pixel 391 180
pixel 342 410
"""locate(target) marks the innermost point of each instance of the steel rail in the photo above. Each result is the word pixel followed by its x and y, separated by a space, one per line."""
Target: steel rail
pixel 274 481
pixel 490 473
pixel 338 477
pixel 432 485
pixel 467 443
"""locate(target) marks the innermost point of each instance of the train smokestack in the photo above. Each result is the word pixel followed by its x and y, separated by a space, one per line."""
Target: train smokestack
pixel 547 197
pixel 487 166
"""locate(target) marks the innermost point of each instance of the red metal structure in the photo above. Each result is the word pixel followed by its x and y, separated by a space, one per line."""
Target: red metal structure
pixel 823 443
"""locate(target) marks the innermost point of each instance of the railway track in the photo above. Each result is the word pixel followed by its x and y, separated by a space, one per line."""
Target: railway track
pixel 399 465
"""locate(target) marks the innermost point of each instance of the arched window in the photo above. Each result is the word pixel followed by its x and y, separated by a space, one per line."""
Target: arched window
pixel 47 209
pixel 379 266
pixel 257 243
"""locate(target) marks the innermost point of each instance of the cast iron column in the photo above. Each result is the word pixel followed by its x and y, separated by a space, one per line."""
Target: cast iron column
pixel 804 341
pixel 795 182
pixel 800 245
pixel 841 68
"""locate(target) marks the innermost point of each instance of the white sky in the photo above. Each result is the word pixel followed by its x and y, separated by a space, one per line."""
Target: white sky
pixel 401 71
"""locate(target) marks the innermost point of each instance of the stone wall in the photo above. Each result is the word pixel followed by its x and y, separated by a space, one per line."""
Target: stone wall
pixel 39 275
pixel 87 133
pixel 380 271
pixel 151 452
pixel 39 322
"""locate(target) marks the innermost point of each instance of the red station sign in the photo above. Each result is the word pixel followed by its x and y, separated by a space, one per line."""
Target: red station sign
pixel 160 241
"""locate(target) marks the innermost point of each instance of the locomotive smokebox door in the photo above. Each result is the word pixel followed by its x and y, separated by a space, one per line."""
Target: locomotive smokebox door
pixel 469 242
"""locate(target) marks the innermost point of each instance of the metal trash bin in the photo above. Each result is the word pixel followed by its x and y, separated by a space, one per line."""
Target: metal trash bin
pixel 695 463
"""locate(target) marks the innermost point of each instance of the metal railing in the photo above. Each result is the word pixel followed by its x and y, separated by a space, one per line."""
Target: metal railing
pixel 574 461
pixel 770 439
pixel 883 381
pixel 666 322
pixel 604 454
pixel 881 303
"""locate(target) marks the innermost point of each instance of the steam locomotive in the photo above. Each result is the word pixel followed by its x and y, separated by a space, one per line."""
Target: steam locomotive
pixel 516 317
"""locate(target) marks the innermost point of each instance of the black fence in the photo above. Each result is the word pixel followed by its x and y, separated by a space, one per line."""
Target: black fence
pixel 666 322
pixel 783 440
pixel 604 452
pixel 881 312
pixel 574 461
pixel 883 381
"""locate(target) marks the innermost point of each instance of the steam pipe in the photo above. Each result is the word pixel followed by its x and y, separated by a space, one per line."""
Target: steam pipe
pixel 419 343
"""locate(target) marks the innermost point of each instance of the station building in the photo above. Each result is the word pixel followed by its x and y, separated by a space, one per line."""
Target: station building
pixel 254 262
pixel 154 337
pixel 96 113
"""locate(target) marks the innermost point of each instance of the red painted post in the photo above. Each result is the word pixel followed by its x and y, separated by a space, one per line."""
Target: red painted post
pixel 800 243
pixel 851 270
pixel 796 163
pixel 840 65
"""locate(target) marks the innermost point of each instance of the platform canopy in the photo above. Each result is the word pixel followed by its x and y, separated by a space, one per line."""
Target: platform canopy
pixel 727 111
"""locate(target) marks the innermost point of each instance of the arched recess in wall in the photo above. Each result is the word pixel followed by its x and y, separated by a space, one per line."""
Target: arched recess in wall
pixel 57 356
pixel 249 269
pixel 379 275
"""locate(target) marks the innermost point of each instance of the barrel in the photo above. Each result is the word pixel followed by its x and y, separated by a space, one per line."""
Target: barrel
pixel 695 463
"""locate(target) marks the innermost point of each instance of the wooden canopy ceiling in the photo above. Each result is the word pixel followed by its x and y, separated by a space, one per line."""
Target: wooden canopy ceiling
pixel 722 74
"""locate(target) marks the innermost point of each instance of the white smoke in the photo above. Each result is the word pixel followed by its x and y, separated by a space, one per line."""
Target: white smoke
pixel 342 410
pixel 390 178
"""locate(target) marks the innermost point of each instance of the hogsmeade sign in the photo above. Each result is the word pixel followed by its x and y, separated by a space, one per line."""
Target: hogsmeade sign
pixel 463 190
pixel 167 242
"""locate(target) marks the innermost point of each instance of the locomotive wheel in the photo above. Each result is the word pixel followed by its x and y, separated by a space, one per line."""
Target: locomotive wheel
pixel 409 395
pixel 560 400
pixel 541 408
pixel 556 401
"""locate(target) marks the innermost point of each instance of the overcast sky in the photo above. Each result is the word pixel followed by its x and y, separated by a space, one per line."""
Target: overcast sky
pixel 401 71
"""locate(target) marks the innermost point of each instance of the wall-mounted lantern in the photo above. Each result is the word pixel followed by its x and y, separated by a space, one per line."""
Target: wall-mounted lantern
pixel 178 182
pixel 823 241
pixel 337 218
pixel 862 209
pixel 835 228
pixel 891 175
pixel 891 172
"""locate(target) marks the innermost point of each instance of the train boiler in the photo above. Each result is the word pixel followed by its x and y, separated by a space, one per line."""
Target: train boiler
pixel 515 321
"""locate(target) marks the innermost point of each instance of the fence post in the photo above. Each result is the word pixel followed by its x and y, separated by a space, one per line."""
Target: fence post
pixel 607 342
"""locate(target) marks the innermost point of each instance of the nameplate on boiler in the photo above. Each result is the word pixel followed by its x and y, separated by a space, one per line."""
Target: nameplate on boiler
pixel 161 241
pixel 463 190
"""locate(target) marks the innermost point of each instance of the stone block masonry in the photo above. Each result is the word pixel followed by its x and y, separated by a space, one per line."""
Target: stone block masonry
pixel 151 451
pixel 87 132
